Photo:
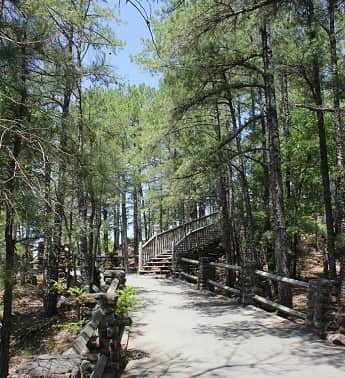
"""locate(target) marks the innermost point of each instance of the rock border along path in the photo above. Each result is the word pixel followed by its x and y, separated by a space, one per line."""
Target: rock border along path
pixel 186 333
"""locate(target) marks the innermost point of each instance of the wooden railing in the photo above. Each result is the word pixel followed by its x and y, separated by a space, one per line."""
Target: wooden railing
pixel 287 281
pixel 165 240
pixel 196 239
pixel 186 264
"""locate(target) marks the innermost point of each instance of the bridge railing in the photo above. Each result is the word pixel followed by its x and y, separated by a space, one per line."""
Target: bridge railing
pixel 320 304
pixel 164 241
pixel 197 238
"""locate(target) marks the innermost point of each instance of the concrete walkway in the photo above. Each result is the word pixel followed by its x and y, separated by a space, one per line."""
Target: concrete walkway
pixel 181 332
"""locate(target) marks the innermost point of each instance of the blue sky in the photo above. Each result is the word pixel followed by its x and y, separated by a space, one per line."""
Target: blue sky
pixel 132 30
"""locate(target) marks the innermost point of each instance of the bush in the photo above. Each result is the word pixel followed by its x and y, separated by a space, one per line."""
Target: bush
pixel 127 301
pixel 74 326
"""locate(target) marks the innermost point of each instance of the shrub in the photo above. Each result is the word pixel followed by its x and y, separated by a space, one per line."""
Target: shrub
pixel 126 301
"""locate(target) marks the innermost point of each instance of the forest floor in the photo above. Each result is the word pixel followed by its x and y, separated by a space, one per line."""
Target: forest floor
pixel 33 332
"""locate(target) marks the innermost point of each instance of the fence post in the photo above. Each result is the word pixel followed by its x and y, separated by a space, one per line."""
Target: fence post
pixel 206 272
pixel 154 251
pixel 140 257
pixel 174 263
pixel 248 282
pixel 202 274
pixel 320 305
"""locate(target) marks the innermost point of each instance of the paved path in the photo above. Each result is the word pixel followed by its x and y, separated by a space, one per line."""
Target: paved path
pixel 187 333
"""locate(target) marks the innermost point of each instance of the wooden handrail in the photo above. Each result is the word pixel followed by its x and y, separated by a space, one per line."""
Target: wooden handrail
pixel 224 287
pixel 196 220
pixel 226 266
pixel 192 232
pixel 148 241
pixel 190 276
pixel 279 278
pixel 190 261
pixel 282 308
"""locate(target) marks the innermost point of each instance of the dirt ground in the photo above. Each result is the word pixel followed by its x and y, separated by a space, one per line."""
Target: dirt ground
pixel 34 333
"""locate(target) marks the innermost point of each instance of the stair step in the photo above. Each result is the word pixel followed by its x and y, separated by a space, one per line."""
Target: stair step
pixel 161 258
pixel 155 270
pixel 155 267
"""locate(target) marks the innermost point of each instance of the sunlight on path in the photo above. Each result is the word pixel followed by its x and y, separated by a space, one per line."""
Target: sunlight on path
pixel 182 332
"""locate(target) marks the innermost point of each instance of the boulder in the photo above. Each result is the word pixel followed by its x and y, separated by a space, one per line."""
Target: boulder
pixel 50 366
pixel 336 338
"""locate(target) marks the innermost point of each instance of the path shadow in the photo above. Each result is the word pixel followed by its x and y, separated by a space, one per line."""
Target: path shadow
pixel 294 351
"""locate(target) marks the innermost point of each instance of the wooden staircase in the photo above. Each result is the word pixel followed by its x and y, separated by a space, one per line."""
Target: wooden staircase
pixel 158 265
pixel 156 256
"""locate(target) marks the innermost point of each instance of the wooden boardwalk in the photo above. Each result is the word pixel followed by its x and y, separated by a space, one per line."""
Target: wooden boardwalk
pixel 184 333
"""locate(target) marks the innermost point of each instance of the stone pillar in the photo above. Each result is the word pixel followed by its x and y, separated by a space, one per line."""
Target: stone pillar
pixel 248 282
pixel 320 305
pixel 206 272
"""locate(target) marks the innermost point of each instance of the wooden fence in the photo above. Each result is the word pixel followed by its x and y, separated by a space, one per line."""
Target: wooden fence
pixel 320 307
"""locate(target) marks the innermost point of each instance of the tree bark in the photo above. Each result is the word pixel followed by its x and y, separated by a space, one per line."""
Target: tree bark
pixel 59 211
pixel 339 149
pixel 8 196
pixel 10 242
pixel 124 245
pixel 50 268
pixel 136 222
pixel 251 252
pixel 327 197
pixel 86 261
pixel 105 230
pixel 279 227
pixel 224 204
pixel 116 229
pixel 91 241
pixel 286 132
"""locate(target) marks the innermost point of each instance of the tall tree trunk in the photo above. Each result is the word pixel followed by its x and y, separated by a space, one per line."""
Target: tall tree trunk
pixel 8 195
pixel 224 204
pixel 149 224
pixel 201 209
pixel 339 143
pixel 265 166
pixel 59 211
pixel 292 260
pixel 161 209
pixel 105 230
pixel 142 215
pixel 124 245
pixel 50 266
pixel 136 223
pixel 327 198
pixel 91 241
pixel 286 131
pixel 86 261
pixel 193 208
pixel 116 228
pixel 280 243
pixel 10 242
pixel 251 252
